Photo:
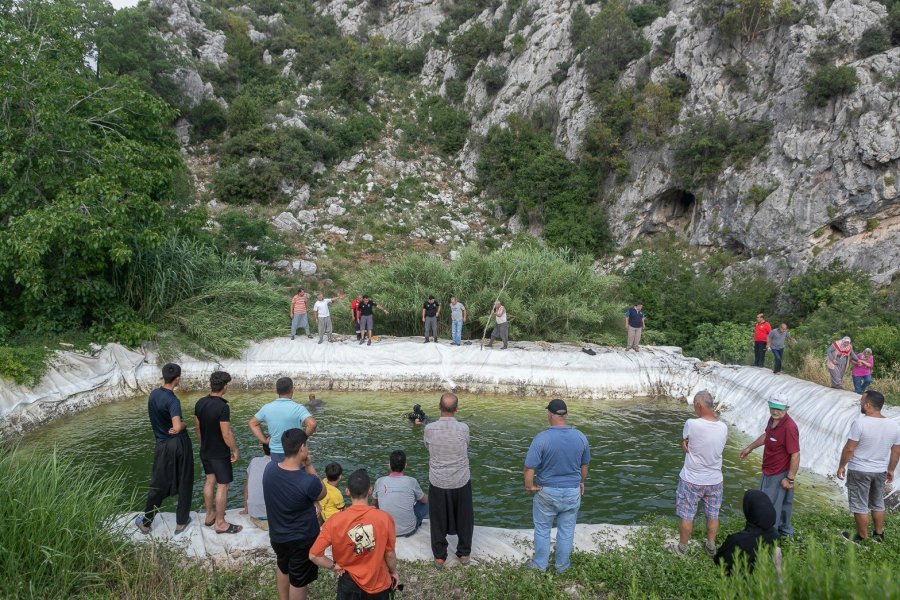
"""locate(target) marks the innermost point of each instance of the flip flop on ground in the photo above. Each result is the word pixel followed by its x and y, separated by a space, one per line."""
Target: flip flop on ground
pixel 180 528
pixel 232 528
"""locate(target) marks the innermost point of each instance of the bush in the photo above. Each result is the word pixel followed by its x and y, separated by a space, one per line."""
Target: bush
pixel 349 80
pixel 208 120
pixel 551 295
pixel 808 291
pixel 708 144
pixel 246 236
pixel 729 343
pixel 884 340
pixel 644 14
pixel 455 90
pixel 254 180
pixel 523 169
pixel 874 40
pixel 608 44
pixel 471 46
pixel 830 82
pixel 244 114
pixel 447 126
pixel 493 76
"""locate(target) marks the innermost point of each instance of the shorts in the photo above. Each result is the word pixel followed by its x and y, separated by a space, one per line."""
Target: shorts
pixel 865 491
pixel 349 590
pixel 689 495
pixel 292 559
pixel 220 467
pixel 366 322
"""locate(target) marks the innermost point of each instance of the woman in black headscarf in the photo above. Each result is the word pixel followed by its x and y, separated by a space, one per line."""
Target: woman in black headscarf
pixel 760 515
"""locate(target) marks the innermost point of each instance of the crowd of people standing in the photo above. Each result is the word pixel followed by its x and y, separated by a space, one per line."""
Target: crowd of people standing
pixel 305 514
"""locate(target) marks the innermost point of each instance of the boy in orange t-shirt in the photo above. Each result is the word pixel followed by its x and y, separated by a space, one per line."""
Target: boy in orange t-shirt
pixel 362 542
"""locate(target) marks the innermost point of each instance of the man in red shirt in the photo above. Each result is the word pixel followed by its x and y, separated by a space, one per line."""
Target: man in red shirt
pixel 362 540
pixel 760 340
pixel 781 459
pixel 354 314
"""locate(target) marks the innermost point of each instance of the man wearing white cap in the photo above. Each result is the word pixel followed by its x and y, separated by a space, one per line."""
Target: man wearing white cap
pixel 781 459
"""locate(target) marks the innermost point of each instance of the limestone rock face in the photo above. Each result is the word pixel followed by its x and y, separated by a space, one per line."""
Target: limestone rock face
pixel 286 222
pixel 829 173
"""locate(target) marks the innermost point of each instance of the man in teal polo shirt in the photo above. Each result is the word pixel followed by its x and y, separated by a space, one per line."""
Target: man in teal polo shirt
pixel 280 415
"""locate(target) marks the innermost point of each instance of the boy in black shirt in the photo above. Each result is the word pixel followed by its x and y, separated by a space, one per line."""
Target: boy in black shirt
pixel 218 450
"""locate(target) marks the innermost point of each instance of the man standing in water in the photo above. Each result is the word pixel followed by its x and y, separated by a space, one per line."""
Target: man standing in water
pixel 173 457
pixel 703 442
pixel 868 460
pixel 218 450
pixel 450 494
pixel 560 456
pixel 781 460
pixel 280 415
pixel 431 310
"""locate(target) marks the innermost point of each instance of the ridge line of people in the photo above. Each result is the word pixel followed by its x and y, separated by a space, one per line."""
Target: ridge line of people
pixel 363 537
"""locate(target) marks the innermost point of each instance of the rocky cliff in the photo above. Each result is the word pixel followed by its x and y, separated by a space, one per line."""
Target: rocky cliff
pixel 824 188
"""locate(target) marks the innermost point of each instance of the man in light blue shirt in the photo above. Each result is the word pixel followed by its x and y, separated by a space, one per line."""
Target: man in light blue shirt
pixel 280 415
pixel 559 455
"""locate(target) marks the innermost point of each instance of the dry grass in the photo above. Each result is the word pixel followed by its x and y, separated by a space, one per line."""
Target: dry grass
pixel 812 368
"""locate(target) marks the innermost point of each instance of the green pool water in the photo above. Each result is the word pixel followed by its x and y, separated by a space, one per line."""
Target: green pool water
pixel 635 449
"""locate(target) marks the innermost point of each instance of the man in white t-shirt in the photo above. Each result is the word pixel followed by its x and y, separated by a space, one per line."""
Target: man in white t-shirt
pixel 868 460
pixel 323 314
pixel 701 478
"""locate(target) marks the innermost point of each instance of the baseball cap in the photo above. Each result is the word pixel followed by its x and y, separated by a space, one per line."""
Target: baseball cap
pixel 557 407
pixel 778 402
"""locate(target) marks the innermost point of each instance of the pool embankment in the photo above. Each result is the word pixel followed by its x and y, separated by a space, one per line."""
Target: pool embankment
pixel 78 381
pixel 488 543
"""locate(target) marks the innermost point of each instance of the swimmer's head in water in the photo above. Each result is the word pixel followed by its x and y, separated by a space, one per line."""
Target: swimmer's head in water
pixel 417 407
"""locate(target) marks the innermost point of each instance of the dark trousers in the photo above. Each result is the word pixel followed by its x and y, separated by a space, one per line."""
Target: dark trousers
pixel 173 474
pixel 450 512
pixel 759 349
pixel 777 354
pixel 348 590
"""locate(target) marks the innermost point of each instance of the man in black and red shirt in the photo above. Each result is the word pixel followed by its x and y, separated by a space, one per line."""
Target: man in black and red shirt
pixel 354 315
pixel 781 459
pixel 367 308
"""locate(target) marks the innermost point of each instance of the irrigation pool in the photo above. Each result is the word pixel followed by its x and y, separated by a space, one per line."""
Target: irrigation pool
pixel 635 449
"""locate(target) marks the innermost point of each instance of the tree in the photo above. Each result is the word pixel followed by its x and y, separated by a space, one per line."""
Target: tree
pixel 88 165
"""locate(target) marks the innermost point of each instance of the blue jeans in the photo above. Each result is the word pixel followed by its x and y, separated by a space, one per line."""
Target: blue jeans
pixel 777 353
pixel 421 511
pixel 561 504
pixel 456 332
pixel 861 382
pixel 276 457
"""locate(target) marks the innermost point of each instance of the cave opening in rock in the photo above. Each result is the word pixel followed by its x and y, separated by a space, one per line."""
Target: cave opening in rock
pixel 673 210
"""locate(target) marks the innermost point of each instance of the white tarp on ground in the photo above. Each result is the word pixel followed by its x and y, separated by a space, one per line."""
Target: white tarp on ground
pixel 488 543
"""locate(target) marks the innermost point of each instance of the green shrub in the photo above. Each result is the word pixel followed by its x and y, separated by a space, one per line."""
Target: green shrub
pixel 708 144
pixel 729 343
pixel 23 362
pixel 808 291
pixel 551 295
pixel 757 194
pixel 884 340
pixel 244 114
pixel 609 43
pixel 493 76
pixel 208 120
pixel 349 80
pixel 455 90
pixel 243 235
pixel 447 126
pixel 829 82
pixel 874 40
pixel 644 14
pixel 471 46
pixel 247 182
pixel 521 167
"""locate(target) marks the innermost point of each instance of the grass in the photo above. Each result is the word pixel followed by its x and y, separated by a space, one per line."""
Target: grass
pixel 56 543
pixel 812 368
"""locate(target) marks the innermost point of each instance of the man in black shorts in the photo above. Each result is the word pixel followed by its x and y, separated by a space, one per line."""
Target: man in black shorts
pixel 218 450
pixel 367 317
pixel 290 489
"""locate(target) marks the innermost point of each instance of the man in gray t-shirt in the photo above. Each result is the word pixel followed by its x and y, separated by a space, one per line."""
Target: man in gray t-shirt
pixel 254 504
pixel 868 460
pixel 775 342
pixel 458 316
pixel 401 497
